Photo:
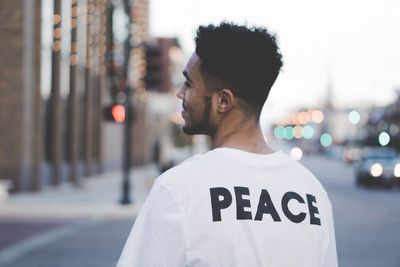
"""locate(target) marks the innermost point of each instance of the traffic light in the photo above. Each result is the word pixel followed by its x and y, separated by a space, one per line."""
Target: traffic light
pixel 153 72
pixel 115 112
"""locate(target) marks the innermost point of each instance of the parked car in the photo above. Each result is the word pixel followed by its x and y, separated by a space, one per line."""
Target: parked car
pixel 379 167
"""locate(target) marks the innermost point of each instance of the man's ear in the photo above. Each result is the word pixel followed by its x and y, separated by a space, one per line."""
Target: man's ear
pixel 225 100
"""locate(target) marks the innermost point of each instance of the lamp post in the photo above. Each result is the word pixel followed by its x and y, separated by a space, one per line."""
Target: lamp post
pixel 126 183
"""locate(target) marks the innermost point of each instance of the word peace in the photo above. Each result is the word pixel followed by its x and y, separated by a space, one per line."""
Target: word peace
pixel 221 198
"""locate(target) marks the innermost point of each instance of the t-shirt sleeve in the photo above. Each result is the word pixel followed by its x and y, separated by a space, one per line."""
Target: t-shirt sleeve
pixel 157 237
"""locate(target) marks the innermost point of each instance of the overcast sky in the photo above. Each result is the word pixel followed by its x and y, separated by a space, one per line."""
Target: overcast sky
pixel 353 43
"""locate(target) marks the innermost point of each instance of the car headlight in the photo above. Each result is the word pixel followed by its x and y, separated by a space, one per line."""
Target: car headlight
pixel 396 170
pixel 376 170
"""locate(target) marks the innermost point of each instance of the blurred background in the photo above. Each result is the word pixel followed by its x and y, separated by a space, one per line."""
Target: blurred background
pixel 89 117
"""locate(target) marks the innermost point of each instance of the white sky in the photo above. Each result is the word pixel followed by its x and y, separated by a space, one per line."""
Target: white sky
pixel 354 43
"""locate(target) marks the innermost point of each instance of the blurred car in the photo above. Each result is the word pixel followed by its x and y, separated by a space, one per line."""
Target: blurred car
pixel 378 166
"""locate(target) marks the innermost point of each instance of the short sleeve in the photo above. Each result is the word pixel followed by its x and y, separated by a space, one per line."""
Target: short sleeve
pixel 157 237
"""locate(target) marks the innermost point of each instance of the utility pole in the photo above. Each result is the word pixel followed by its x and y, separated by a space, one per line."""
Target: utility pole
pixel 73 148
pixel 88 97
pixel 55 153
pixel 126 183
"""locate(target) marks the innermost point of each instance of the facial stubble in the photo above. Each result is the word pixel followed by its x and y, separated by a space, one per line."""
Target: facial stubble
pixel 203 127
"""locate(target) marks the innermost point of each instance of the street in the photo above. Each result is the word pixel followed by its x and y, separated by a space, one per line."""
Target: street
pixel 366 222
pixel 93 243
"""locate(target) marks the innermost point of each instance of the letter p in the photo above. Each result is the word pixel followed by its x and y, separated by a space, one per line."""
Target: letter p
pixel 218 204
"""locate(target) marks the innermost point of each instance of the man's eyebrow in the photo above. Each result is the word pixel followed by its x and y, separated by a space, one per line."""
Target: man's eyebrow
pixel 186 76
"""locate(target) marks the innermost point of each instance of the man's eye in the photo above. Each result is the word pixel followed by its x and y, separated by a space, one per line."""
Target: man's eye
pixel 187 84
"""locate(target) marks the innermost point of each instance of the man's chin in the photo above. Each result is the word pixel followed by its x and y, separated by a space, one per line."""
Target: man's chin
pixel 193 130
pixel 189 130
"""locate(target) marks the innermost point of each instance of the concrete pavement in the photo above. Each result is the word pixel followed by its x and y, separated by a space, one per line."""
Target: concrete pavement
pixel 97 197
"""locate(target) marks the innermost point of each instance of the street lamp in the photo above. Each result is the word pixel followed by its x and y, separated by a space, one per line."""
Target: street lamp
pixel 126 185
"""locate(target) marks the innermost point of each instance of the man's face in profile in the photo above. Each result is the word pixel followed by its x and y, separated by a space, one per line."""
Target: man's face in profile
pixel 196 100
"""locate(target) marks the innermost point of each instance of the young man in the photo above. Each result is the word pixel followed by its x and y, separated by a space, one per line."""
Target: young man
pixel 240 204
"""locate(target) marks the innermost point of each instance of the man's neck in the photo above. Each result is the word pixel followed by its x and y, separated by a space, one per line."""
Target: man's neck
pixel 242 134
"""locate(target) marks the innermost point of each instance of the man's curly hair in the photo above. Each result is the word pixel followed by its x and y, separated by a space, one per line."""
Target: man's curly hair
pixel 245 60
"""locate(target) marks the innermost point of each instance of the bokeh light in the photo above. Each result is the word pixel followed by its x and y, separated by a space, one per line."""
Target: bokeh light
pixel 298 131
pixel 354 117
pixel 326 140
pixel 317 116
pixel 384 138
pixel 289 133
pixel 296 153
pixel 279 132
pixel 396 170
pixel 376 169
pixel 118 113
pixel 303 117
pixel 308 132
pixel 294 119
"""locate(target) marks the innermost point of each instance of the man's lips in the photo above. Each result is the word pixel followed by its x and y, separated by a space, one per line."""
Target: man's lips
pixel 184 111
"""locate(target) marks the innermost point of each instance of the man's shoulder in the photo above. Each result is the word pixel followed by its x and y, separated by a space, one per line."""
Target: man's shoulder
pixel 185 171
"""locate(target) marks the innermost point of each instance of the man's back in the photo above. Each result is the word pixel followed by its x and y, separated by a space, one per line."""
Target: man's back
pixel 234 208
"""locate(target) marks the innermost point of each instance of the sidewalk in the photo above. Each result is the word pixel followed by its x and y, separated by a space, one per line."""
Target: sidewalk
pixel 66 226
pixel 97 198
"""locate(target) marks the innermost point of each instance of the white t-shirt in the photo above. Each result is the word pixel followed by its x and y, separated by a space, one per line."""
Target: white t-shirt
pixel 231 208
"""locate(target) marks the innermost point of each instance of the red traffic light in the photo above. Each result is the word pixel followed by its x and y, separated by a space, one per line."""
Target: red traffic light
pixel 118 113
